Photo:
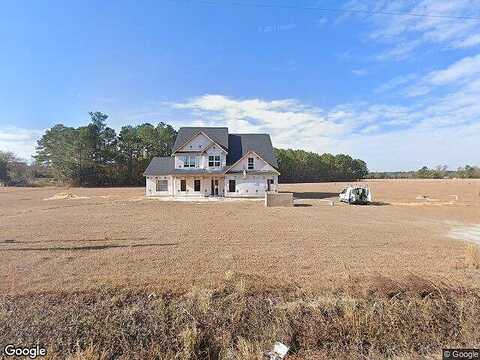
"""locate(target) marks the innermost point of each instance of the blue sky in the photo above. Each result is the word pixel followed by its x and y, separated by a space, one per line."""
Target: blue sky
pixel 397 91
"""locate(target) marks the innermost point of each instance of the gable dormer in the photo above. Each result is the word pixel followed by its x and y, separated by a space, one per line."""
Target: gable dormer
pixel 251 161
pixel 215 156
pixel 186 135
pixel 197 144
pixel 200 151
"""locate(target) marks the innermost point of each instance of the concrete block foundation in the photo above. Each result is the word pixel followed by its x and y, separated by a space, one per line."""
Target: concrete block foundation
pixel 279 199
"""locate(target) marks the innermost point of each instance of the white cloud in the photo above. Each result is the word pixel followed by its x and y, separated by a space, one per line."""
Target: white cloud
pixel 22 142
pixel 395 83
pixel 464 71
pixel 407 33
pixel 461 70
pixel 278 114
pixel 399 52
pixel 470 41
pixel 443 129
pixel 285 119
pixel 413 148
pixel 13 137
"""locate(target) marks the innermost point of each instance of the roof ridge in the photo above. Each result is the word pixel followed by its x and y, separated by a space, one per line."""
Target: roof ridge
pixel 185 134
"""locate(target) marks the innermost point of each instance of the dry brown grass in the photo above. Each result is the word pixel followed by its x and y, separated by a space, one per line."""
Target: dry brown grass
pixel 410 319
pixel 114 237
pixel 106 274
pixel 472 257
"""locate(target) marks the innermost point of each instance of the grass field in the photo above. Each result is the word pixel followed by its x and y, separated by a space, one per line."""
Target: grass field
pixel 115 236
pixel 416 244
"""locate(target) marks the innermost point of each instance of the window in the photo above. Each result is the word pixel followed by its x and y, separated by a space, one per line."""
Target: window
pixel 183 185
pixel 232 186
pixel 189 161
pixel 214 161
pixel 251 163
pixel 196 185
pixel 162 185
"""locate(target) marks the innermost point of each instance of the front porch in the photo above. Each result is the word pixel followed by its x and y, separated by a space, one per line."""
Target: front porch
pixel 210 186
pixel 205 199
pixel 230 185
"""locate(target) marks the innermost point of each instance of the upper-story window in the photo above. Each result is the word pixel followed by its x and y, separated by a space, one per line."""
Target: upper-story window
pixel 214 161
pixel 189 161
pixel 251 163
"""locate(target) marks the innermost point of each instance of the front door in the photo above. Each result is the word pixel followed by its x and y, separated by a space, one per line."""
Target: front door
pixel 214 190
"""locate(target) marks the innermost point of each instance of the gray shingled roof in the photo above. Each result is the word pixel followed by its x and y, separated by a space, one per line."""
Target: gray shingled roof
pixel 166 166
pixel 217 134
pixel 160 166
pixel 199 171
pixel 241 144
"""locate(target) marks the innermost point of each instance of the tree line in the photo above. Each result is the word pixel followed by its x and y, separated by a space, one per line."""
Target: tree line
pixel 439 172
pixel 305 166
pixel 95 155
pixel 17 172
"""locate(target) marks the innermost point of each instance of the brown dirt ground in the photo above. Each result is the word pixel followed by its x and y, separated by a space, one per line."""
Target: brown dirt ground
pixel 86 238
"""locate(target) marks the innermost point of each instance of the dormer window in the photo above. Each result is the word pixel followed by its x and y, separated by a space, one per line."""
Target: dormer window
pixel 189 161
pixel 214 161
pixel 251 163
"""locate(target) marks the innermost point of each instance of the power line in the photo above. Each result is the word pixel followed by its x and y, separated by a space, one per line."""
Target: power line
pixel 324 9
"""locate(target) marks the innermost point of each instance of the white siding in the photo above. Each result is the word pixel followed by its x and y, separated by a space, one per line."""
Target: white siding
pixel 214 150
pixel 205 186
pixel 259 164
pixel 198 143
pixel 250 185
pixel 189 189
pixel 151 186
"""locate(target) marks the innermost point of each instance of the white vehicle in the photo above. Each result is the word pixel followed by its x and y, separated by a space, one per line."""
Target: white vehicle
pixel 356 195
